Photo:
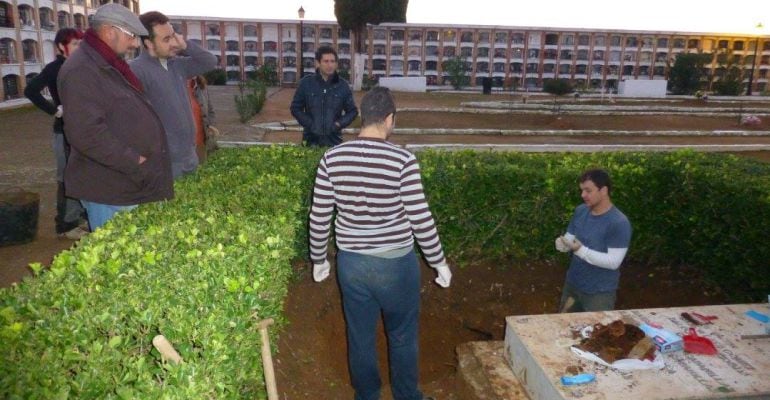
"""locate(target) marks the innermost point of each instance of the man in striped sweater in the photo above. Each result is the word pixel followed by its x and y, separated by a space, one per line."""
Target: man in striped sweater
pixel 377 190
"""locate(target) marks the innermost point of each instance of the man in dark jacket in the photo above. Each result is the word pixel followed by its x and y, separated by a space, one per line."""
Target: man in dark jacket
pixel 119 155
pixel 323 103
pixel 68 211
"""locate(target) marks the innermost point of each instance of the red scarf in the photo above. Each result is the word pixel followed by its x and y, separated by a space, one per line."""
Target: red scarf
pixel 112 58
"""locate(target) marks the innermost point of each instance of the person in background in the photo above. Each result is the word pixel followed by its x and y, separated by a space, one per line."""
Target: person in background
pixel 376 188
pixel 165 65
pixel 119 156
pixel 204 116
pixel 598 237
pixel 69 212
pixel 323 103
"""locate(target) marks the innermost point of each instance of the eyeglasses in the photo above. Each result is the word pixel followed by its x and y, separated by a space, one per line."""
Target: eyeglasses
pixel 131 35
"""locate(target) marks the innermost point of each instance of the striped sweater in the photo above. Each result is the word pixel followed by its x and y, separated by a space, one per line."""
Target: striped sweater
pixel 377 190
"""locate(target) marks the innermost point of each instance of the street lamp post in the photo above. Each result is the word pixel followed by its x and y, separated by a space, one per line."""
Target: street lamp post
pixel 753 61
pixel 300 51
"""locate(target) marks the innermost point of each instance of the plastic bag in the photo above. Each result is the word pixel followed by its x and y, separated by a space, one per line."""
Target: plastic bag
pixel 627 364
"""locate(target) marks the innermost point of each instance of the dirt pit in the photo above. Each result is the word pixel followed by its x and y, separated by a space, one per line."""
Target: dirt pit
pixel 312 353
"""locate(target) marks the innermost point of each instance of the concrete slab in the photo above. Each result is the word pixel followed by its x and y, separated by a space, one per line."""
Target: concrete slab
pixel 538 347
pixel 485 372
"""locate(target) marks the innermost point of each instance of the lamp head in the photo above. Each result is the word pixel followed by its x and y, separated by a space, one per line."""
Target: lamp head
pixel 301 12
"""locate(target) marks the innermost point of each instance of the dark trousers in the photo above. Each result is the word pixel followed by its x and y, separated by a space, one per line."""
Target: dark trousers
pixel 373 286
pixel 68 210
pixel 575 300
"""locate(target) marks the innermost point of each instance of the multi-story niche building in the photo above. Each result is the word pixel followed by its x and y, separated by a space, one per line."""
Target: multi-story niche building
pixel 520 57
pixel 27 31
pixel 523 57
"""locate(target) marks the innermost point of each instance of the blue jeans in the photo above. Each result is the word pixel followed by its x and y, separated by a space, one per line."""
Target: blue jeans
pixel 373 286
pixel 99 214
pixel 575 300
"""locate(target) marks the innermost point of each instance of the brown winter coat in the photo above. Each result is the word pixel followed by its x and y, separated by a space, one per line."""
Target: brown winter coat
pixel 109 125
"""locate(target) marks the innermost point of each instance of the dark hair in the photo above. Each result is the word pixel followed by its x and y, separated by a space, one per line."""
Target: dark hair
pixel 66 35
pixel 150 20
pixel 599 177
pixel 325 50
pixel 377 104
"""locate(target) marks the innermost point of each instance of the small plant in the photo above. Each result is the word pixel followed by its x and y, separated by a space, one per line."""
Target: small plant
pixel 251 98
pixel 558 87
pixel 216 76
pixel 458 72
pixel 265 73
pixel 750 120
pixel 344 74
pixel 368 82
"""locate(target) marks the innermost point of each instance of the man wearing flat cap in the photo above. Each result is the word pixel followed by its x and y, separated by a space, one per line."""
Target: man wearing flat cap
pixel 119 157
pixel 165 65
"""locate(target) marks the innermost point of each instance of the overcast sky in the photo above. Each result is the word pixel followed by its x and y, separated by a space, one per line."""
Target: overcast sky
pixel 723 16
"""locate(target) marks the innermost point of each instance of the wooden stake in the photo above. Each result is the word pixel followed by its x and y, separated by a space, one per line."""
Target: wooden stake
pixel 267 359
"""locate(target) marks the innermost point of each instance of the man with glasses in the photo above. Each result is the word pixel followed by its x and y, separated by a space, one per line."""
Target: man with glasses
pixel 119 155
pixel 166 64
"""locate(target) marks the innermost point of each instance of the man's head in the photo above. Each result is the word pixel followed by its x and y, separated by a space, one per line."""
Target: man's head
pixel 161 42
pixel 326 61
pixel 595 188
pixel 67 40
pixel 118 27
pixel 378 108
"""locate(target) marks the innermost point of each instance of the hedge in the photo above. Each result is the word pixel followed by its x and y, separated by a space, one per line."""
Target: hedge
pixel 686 208
pixel 201 269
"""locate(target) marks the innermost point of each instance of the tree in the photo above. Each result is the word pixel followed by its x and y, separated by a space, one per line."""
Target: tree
pixel 687 75
pixel 458 72
pixel 355 14
pixel 730 75
pixel 558 87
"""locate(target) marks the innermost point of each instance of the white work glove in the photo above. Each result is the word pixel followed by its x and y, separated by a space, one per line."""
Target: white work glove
pixel 321 271
pixel 59 111
pixel 444 275
pixel 561 244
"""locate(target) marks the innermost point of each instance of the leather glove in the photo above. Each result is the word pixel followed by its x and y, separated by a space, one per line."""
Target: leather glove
pixel 321 271
pixel 444 275
pixel 59 111
pixel 561 244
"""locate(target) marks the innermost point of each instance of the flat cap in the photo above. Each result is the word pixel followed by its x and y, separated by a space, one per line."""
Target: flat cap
pixel 116 14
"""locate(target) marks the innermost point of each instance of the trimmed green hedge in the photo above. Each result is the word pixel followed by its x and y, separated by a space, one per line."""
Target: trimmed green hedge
pixel 686 208
pixel 201 269
pixel 194 269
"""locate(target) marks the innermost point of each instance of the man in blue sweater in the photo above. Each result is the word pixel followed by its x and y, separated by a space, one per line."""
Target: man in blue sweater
pixel 166 63
pixel 598 237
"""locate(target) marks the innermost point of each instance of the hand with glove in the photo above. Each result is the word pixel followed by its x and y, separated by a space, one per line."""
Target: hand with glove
pixel 321 271
pixel 444 275
pixel 575 245
pixel 562 244
pixel 59 111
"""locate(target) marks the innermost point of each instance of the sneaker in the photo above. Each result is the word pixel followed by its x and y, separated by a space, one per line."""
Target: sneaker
pixel 76 233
